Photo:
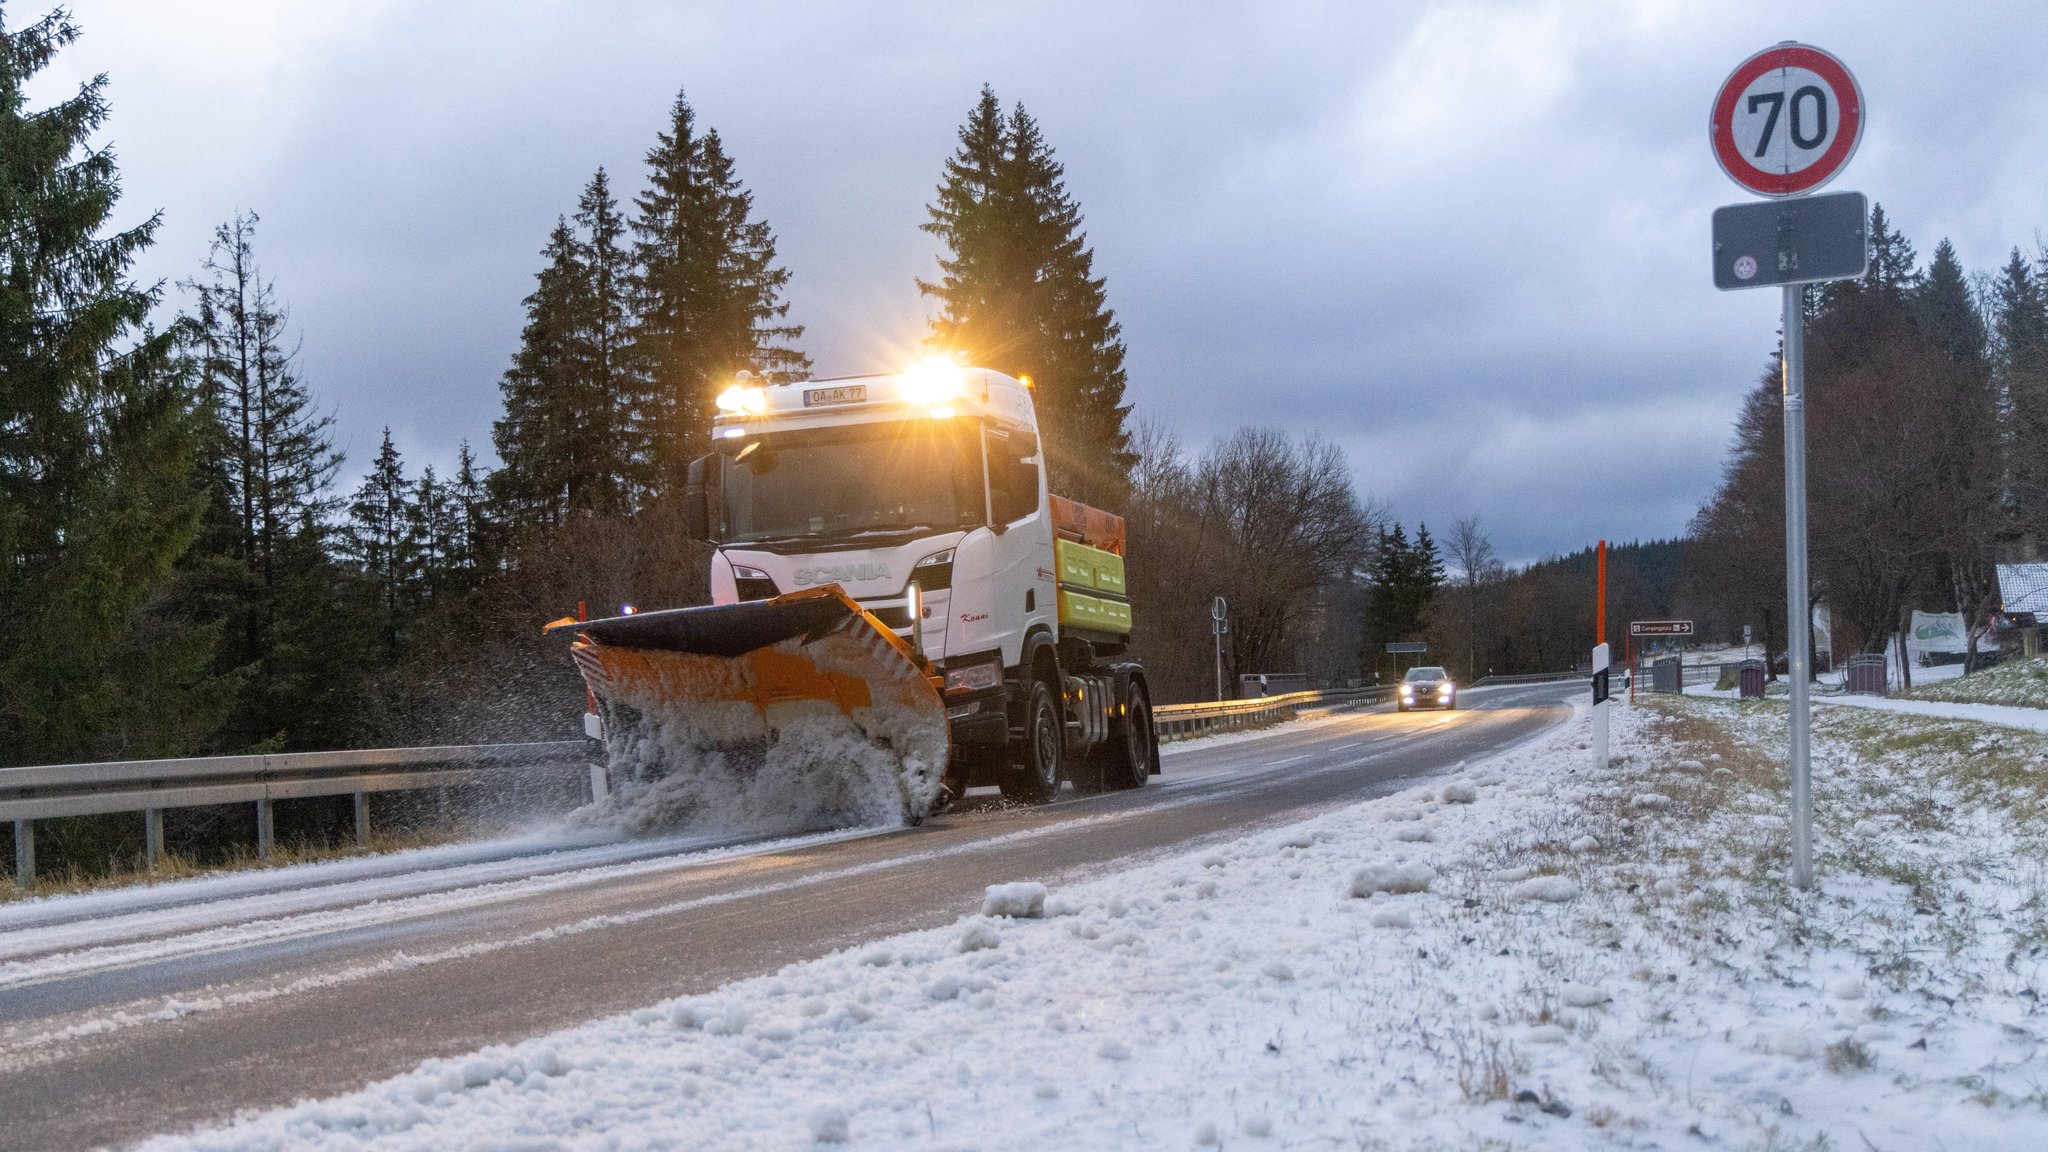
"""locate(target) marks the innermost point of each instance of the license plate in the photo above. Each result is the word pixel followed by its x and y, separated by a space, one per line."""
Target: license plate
pixel 850 394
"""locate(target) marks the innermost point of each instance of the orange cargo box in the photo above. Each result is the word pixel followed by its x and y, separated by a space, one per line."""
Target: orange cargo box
pixel 1078 522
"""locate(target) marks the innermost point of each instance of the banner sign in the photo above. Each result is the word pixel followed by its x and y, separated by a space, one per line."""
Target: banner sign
pixel 1937 632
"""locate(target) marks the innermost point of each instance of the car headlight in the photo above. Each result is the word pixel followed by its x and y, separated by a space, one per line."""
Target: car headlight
pixel 1444 691
pixel 974 677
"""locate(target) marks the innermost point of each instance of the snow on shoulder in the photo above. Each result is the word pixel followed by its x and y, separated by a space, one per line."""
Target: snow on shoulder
pixel 1555 966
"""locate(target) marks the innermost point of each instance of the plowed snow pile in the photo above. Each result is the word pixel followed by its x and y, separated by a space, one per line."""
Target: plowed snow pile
pixel 723 770
pixel 1527 955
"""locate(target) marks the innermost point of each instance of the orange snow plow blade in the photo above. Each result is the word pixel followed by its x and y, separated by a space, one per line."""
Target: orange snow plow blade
pixel 803 706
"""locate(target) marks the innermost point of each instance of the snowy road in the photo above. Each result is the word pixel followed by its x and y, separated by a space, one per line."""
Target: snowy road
pixel 143 1011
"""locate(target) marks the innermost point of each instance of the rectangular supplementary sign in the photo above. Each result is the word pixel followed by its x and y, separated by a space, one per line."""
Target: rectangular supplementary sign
pixel 1798 240
pixel 1407 646
pixel 846 394
pixel 1660 628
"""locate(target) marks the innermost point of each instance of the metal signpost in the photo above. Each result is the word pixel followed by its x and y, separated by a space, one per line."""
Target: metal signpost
pixel 1600 659
pixel 1783 124
pixel 1219 623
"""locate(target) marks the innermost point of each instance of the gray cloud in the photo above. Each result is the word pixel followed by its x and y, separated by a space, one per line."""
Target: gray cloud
pixel 1466 241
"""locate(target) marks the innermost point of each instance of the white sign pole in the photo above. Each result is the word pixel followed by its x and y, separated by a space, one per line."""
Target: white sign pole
pixel 1599 711
pixel 1798 614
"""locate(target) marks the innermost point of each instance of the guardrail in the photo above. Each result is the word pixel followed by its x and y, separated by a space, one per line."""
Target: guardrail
pixel 150 786
pixel 1226 715
pixel 1531 678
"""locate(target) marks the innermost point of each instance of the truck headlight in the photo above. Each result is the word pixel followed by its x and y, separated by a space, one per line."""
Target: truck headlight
pixel 935 571
pixel 974 677
pixel 744 400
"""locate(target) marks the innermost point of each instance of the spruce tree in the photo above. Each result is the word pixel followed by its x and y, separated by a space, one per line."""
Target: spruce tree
pixel 540 438
pixel 1968 479
pixel 471 501
pixel 99 433
pixel 271 455
pixel 605 366
pixel 707 294
pixel 2019 306
pixel 381 538
pixel 1017 292
pixel 1426 574
pixel 572 437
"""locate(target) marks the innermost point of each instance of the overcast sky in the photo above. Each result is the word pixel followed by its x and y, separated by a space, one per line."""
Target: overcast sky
pixel 1468 242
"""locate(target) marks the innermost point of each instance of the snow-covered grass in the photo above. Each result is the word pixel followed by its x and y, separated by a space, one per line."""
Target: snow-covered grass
pixel 2017 683
pixel 1532 953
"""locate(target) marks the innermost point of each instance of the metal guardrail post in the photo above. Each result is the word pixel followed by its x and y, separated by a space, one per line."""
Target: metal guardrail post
pixel 24 853
pixel 266 830
pixel 152 837
pixel 362 819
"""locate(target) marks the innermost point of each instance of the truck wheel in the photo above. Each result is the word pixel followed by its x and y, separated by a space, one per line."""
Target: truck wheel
pixel 1133 743
pixel 1035 778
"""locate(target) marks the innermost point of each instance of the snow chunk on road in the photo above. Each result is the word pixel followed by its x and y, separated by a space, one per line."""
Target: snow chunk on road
pixel 1024 900
pixel 979 936
pixel 1392 877
pixel 1551 889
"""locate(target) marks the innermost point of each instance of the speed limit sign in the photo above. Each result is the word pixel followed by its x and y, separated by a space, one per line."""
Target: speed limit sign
pixel 1786 120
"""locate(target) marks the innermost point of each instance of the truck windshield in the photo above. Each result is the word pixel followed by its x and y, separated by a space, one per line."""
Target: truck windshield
pixel 867 479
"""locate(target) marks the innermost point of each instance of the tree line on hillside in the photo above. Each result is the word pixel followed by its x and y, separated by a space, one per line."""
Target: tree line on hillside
pixel 1926 408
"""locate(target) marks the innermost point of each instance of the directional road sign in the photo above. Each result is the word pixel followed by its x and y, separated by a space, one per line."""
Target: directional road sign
pixel 1660 628
pixel 1407 646
pixel 1786 120
pixel 1799 240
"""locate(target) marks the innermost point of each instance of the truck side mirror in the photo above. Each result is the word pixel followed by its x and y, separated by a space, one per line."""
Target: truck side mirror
pixel 696 499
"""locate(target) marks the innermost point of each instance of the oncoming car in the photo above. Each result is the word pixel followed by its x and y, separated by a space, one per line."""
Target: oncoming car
pixel 1426 687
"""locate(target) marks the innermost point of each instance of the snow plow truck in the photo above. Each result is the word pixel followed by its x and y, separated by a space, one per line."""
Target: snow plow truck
pixel 896 599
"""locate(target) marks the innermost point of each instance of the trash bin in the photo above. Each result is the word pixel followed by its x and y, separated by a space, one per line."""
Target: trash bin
pixel 1866 674
pixel 1750 679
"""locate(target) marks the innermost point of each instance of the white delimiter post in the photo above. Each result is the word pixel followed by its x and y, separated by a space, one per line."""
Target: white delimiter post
pixel 1599 711
pixel 1798 614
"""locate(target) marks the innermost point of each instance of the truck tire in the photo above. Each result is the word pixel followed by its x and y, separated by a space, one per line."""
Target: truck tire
pixel 1035 776
pixel 1133 746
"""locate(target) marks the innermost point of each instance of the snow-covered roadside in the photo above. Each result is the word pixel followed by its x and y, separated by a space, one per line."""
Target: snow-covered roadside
pixel 1532 954
pixel 2003 715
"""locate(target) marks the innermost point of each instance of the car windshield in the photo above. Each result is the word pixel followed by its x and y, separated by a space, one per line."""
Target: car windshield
pixel 1423 675
pixel 868 479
